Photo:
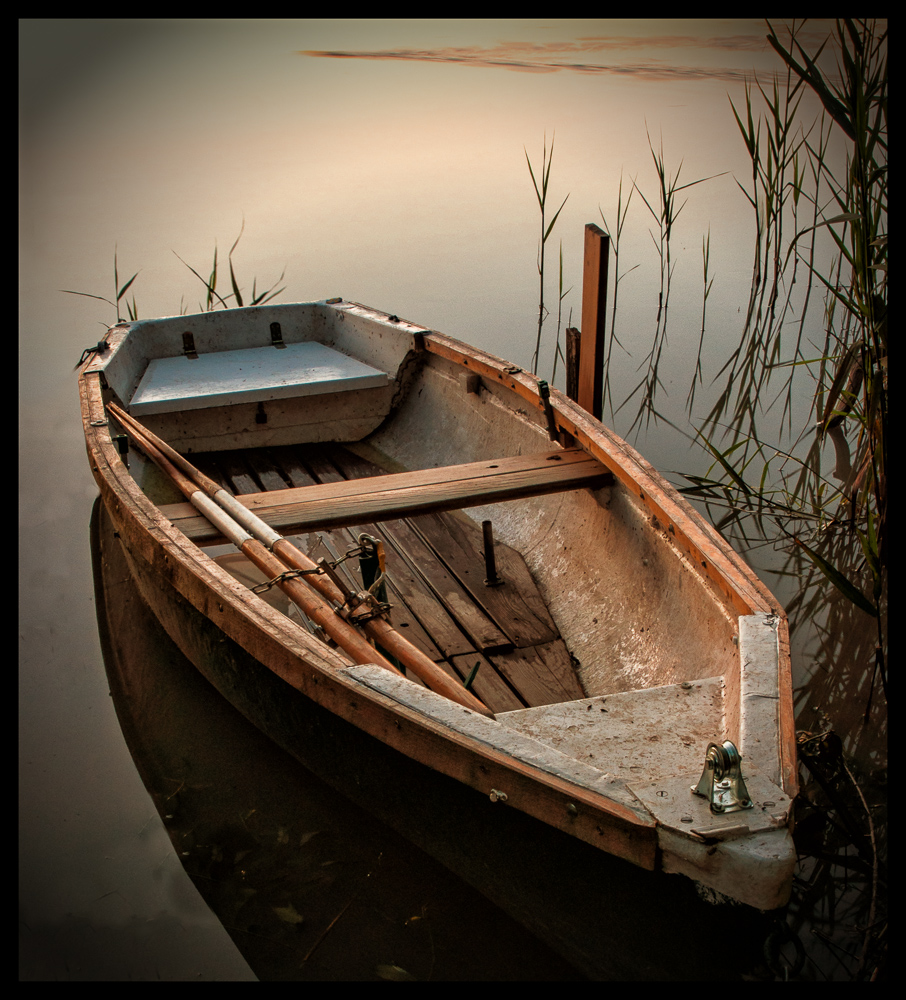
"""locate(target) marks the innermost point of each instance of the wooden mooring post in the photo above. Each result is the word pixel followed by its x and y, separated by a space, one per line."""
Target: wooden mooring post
pixel 585 372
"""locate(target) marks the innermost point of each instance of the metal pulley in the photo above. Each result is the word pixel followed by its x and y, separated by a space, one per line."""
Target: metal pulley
pixel 721 781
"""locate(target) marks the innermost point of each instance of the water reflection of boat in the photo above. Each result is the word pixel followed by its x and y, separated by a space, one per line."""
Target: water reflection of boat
pixel 265 842
pixel 627 655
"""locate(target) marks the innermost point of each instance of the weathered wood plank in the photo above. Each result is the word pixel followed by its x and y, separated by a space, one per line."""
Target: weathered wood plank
pixel 478 628
pixel 266 470
pixel 542 674
pixel 385 497
pixel 517 607
pixel 468 618
pixel 490 687
pixel 235 468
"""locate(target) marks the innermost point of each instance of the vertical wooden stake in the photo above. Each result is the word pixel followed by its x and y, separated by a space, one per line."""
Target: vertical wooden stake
pixel 594 318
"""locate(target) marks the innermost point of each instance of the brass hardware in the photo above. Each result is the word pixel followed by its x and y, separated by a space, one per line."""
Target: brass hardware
pixel 497 796
pixel 721 781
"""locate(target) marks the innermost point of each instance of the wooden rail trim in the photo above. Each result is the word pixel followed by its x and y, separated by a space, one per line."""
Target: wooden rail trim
pixel 698 539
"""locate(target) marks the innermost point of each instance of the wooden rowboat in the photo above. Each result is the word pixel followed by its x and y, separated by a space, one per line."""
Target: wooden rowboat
pixel 633 684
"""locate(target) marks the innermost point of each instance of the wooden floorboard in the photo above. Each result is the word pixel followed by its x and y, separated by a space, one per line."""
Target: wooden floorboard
pixel 436 573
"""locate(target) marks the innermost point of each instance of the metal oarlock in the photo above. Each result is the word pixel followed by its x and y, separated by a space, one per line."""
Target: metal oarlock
pixel 358 607
pixel 372 567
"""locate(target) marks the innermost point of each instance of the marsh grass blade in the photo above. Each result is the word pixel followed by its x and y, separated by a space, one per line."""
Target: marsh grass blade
pixel 546 230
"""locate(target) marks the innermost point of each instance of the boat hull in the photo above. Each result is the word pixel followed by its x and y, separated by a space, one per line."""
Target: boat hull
pixel 634 926
pixel 721 644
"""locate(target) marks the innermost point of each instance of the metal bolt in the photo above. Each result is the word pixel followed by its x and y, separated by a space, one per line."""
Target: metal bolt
pixel 571 809
pixel 490 563
pixel 497 796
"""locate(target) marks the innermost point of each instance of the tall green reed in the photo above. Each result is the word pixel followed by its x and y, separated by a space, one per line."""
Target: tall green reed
pixel 546 229
pixel 212 296
pixel 210 283
pixel 119 292
pixel 665 215
pixel 791 172
pixel 781 485
pixel 615 235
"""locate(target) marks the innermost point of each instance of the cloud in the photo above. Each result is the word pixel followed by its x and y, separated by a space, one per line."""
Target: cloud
pixel 555 57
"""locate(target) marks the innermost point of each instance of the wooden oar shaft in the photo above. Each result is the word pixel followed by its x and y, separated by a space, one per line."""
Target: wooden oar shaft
pixel 314 606
pixel 383 632
pixel 288 555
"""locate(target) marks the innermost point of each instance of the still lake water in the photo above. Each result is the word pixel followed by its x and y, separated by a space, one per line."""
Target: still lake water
pixel 398 180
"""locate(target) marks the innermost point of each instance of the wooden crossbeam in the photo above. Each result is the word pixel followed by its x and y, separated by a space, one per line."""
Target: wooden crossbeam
pixel 381 498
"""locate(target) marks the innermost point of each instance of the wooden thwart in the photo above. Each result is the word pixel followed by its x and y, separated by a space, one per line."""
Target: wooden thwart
pixel 382 498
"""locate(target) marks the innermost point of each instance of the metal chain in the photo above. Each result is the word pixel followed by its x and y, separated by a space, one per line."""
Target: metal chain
pixel 289 574
pixel 356 614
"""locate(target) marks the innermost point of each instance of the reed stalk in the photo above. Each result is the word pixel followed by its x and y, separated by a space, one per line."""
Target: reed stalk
pixel 665 216
pixel 213 299
pixel 789 168
pixel 119 292
pixel 546 229
pixel 558 352
pixel 622 212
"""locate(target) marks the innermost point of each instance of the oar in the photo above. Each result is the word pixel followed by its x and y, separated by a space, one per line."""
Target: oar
pixel 237 523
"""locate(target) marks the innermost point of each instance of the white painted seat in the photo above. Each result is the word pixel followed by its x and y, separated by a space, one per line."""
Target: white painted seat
pixel 253 375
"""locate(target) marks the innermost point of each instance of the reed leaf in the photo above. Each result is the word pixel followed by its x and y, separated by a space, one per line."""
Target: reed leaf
pixel 118 290
pixel 848 589
pixel 547 160
pixel 212 293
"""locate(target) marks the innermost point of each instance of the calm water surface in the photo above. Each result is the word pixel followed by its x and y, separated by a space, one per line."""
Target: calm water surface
pixel 398 180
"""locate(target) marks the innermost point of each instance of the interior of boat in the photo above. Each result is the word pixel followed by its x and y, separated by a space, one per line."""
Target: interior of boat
pixel 435 579
pixel 587 599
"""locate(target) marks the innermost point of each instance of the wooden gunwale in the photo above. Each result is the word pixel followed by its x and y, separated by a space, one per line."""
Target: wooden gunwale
pixel 705 547
pixel 162 552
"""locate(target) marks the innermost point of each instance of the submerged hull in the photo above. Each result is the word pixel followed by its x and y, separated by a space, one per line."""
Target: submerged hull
pixel 653 638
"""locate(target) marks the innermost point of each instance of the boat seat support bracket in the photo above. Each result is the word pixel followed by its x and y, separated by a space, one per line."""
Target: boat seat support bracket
pixel 721 781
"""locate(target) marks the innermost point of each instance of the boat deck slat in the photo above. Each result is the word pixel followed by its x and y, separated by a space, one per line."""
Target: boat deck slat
pixel 436 574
